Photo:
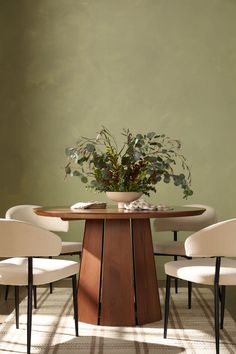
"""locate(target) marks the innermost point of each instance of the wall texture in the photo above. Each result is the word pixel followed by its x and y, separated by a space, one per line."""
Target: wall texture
pixel 69 66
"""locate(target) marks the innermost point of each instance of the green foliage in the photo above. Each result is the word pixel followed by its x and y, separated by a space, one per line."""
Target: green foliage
pixel 142 161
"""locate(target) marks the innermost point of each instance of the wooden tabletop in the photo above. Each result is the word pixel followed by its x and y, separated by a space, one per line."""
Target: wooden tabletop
pixel 65 213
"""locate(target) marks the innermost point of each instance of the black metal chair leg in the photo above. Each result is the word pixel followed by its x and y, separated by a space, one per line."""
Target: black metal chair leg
pixel 176 286
pixel 29 317
pixel 74 286
pixel 6 292
pixel 167 304
pixel 222 312
pixel 17 306
pixel 176 280
pixel 217 329
pixel 50 286
pixel 176 258
pixel 216 305
pixel 35 296
pixel 189 294
pixel 29 303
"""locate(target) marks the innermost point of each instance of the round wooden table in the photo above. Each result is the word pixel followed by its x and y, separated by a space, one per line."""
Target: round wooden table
pixel 117 283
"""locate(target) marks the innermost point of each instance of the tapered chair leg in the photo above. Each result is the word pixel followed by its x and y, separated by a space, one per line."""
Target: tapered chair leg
pixel 6 292
pixel 176 280
pixel 167 304
pixel 216 304
pixel 29 318
pixel 50 287
pixel 29 303
pixel 17 302
pixel 17 305
pixel 216 313
pixel 176 258
pixel 75 303
pixel 35 296
pixel 222 312
pixel 189 294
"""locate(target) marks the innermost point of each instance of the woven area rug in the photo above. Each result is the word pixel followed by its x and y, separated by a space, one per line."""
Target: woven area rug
pixel 190 331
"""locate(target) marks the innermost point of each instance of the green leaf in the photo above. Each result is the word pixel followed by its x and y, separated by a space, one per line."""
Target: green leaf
pixel 67 169
pixel 90 147
pixel 84 179
pixel 166 178
pixel 139 136
pixel 75 173
pixel 151 135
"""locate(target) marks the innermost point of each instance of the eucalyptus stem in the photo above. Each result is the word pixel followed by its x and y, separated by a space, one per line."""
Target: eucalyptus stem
pixel 142 161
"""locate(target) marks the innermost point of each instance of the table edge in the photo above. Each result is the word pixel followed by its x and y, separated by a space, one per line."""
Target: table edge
pixel 86 214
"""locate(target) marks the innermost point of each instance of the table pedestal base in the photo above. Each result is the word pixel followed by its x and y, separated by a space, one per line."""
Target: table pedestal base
pixel 117 283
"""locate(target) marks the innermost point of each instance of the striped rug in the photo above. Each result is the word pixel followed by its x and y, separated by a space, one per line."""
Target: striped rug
pixel 190 331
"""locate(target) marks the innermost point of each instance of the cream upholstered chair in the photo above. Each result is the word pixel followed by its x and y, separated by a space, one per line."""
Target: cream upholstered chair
pixel 26 213
pixel 176 224
pixel 24 241
pixel 213 242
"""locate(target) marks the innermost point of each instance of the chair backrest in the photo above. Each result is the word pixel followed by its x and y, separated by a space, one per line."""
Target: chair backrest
pixel 215 240
pixel 187 223
pixel 21 239
pixel 27 214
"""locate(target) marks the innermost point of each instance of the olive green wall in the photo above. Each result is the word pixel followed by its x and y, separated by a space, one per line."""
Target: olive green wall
pixel 69 66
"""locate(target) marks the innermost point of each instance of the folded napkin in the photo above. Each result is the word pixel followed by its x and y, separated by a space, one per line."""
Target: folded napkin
pixel 140 204
pixel 89 205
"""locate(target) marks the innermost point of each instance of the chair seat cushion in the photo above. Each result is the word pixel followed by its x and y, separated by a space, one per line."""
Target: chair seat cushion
pixel 202 270
pixel 14 271
pixel 71 247
pixel 169 248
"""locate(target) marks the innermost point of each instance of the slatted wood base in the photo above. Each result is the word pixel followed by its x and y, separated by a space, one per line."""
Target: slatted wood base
pixel 117 283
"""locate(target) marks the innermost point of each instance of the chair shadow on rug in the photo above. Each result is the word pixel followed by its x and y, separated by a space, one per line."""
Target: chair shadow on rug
pixel 53 331
pixel 103 345
pixel 53 328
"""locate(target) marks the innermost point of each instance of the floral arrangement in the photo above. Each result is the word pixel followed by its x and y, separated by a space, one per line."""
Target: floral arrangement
pixel 142 161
